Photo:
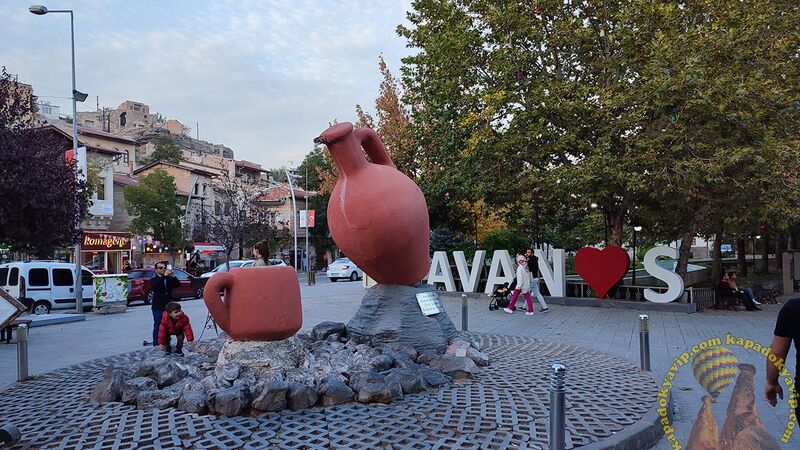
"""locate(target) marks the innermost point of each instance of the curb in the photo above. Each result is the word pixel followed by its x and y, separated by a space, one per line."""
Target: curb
pixel 688 308
pixel 642 435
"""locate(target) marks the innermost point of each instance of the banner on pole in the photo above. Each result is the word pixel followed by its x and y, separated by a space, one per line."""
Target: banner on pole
pixel 306 218
pixel 81 156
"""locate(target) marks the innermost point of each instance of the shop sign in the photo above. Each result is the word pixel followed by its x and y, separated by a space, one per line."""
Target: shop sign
pixel 108 240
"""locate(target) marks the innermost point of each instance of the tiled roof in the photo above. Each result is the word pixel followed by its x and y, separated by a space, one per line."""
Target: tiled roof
pixel 250 165
pixel 127 180
pixel 280 192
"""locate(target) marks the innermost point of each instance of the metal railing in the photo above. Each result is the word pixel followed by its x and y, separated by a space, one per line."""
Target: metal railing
pixel 579 289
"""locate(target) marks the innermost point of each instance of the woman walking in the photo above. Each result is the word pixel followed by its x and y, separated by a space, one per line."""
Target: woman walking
pixel 523 285
pixel 261 253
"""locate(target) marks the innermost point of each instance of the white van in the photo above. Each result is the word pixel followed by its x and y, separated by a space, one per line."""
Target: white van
pixel 46 284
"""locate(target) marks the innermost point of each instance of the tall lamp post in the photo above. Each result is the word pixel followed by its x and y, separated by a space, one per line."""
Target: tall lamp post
pixel 41 10
pixel 294 214
pixel 636 229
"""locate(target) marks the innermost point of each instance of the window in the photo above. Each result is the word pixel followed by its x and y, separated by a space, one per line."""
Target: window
pixel 3 276
pixel 62 277
pixel 141 274
pixel 181 275
pixel 196 189
pixel 101 190
pixel 86 277
pixel 38 277
pixel 13 278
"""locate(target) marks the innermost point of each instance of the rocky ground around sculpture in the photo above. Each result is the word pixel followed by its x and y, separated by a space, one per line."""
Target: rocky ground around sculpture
pixel 323 368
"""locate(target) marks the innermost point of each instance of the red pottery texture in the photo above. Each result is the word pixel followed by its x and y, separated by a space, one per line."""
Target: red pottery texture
pixel 376 214
pixel 601 269
pixel 261 303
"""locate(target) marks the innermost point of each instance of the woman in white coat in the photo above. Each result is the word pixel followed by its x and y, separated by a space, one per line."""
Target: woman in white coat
pixel 523 286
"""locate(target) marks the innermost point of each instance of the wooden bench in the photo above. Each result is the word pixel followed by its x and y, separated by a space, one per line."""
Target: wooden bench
pixel 5 333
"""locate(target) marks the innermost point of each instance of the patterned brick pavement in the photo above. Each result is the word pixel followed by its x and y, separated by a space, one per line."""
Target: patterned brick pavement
pixel 505 407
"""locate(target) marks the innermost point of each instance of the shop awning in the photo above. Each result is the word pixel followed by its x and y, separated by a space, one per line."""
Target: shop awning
pixel 208 247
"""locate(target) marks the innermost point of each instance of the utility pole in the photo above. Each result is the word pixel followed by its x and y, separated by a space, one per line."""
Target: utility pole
pixel 305 194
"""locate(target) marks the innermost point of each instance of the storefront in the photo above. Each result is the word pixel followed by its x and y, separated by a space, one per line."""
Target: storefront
pixel 106 251
pixel 153 252
pixel 208 255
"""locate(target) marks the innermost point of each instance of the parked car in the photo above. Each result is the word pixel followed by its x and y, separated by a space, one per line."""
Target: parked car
pixel 139 285
pixel 46 285
pixel 235 264
pixel 241 264
pixel 344 268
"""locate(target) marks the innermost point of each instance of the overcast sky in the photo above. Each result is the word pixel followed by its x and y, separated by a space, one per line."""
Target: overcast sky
pixel 262 77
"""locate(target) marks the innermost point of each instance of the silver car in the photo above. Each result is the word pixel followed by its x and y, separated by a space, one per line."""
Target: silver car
pixel 344 268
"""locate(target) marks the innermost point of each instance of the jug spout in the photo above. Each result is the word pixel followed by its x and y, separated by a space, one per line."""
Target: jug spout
pixel 344 147
pixel 218 310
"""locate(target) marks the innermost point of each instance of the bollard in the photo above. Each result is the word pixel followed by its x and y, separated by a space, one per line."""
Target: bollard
pixel 311 277
pixel 464 313
pixel 9 434
pixel 558 394
pixel 644 342
pixel 22 352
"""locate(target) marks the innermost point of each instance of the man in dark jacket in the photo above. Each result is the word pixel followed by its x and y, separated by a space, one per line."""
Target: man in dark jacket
pixel 787 331
pixel 533 268
pixel 161 286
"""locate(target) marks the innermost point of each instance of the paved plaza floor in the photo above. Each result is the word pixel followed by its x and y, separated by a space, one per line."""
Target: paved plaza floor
pixel 610 331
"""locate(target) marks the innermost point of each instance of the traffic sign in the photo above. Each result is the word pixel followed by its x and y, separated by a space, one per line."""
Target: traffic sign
pixel 10 308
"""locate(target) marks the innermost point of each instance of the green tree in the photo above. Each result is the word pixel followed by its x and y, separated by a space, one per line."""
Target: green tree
pixel 640 107
pixel 165 150
pixel 41 202
pixel 156 209
pixel 321 179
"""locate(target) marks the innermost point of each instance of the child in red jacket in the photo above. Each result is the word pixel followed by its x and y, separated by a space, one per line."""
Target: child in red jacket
pixel 174 323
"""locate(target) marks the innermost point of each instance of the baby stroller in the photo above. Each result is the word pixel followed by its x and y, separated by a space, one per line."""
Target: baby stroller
pixel 500 298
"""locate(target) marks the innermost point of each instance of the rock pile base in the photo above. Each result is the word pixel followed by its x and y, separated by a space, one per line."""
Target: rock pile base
pixel 324 368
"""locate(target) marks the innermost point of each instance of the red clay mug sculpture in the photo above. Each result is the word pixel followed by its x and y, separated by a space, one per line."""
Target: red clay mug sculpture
pixel 376 214
pixel 261 303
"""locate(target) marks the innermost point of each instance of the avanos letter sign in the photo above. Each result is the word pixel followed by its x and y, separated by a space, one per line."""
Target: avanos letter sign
pixel 106 241
pixel 502 271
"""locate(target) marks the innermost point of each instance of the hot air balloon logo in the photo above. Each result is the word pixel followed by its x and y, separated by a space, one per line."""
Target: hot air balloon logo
pixel 715 368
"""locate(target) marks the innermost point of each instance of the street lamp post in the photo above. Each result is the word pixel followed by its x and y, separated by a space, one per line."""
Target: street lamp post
pixel 294 215
pixel 754 251
pixel 636 229
pixel 41 10
pixel 305 194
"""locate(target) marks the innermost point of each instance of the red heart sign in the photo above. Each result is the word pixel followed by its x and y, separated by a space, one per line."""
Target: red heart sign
pixel 601 269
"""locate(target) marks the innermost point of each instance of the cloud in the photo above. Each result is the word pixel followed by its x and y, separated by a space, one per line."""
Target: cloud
pixel 263 78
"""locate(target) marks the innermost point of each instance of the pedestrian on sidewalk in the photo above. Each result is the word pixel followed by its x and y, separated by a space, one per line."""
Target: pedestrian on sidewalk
pixel 161 285
pixel 533 268
pixel 261 253
pixel 174 323
pixel 787 329
pixel 523 286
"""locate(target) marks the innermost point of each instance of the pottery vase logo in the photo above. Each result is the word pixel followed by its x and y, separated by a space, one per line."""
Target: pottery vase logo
pixel 715 367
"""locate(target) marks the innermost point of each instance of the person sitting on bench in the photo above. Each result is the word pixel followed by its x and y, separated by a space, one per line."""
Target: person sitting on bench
pixel 727 290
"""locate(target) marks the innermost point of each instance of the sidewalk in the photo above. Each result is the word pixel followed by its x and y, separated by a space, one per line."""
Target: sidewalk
pixel 613 331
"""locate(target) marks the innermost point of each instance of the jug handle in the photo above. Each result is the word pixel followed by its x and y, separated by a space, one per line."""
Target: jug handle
pixel 218 309
pixel 374 147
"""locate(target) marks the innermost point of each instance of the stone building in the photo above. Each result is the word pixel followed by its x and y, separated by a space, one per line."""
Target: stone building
pixel 126 118
pixel 276 201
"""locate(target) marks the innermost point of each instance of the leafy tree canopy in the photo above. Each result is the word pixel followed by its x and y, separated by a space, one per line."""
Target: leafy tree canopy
pixel 156 208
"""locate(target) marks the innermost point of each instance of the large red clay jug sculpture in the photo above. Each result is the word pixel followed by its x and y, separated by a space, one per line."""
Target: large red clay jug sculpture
pixel 261 303
pixel 377 215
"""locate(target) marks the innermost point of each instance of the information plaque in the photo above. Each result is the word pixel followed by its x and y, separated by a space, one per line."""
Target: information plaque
pixel 429 303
